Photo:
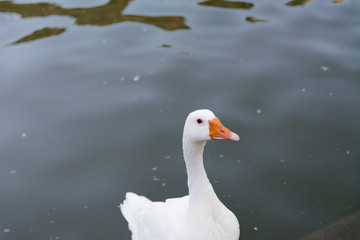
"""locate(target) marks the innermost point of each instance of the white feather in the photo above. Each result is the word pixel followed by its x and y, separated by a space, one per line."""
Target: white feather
pixel 199 216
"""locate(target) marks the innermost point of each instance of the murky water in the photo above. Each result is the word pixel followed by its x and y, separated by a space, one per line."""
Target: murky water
pixel 94 94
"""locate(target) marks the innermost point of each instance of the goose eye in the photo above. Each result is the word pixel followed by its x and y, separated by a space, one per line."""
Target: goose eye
pixel 199 121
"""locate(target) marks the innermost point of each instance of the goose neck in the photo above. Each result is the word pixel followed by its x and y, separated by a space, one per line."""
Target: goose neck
pixel 197 178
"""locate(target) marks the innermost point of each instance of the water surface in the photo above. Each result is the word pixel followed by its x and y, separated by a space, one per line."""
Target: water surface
pixel 93 99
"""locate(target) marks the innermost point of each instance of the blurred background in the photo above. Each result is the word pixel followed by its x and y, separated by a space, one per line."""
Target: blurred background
pixel 94 95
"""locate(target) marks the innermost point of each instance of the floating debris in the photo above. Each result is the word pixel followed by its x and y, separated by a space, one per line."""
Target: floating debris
pixel 154 168
pixel 136 78
pixel 338 1
pixel 52 238
pixel 12 171
pixel 163 184
pixel 348 152
pixel 324 68
pixel 221 156
pixel 7 230
pixel 256 228
pixel 155 178
pixel 24 135
pixel 303 89
pixel 258 111
pixel 167 157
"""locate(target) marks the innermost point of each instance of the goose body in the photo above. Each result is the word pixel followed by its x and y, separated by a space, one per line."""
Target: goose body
pixel 198 216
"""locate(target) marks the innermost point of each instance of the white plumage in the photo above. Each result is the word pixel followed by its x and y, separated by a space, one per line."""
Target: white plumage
pixel 198 216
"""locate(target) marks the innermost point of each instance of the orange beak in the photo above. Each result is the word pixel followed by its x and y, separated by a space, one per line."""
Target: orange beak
pixel 219 132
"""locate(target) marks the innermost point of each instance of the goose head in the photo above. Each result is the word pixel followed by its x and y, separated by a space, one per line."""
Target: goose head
pixel 202 125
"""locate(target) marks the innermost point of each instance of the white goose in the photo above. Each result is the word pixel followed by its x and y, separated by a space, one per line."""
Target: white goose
pixel 198 216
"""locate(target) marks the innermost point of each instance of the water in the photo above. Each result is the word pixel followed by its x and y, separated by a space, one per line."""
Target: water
pixel 94 95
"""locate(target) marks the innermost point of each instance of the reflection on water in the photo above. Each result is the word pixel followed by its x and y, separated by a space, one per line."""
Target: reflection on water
pixel 111 13
pixel 298 3
pixel 107 14
pixel 42 33
pixel 304 2
pixel 248 5
pixel 254 20
pixel 227 4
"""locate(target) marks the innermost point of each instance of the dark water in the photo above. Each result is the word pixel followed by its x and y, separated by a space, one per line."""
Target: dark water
pixel 94 94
